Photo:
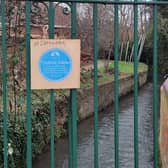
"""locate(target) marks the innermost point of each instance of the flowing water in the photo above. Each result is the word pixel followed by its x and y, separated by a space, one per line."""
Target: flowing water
pixel 106 137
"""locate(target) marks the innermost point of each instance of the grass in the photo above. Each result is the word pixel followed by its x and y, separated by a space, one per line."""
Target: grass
pixel 125 69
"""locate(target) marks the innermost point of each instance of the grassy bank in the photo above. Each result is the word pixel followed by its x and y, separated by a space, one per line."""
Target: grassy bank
pixel 128 67
pixel 125 69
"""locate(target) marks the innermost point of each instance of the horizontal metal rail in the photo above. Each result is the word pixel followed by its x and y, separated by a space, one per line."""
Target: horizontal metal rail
pixel 111 2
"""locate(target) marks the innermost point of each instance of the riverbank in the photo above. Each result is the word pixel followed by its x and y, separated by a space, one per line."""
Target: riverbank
pixel 85 99
pixel 85 95
pixel 106 94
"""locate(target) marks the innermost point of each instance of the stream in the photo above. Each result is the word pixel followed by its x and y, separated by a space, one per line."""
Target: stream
pixel 106 137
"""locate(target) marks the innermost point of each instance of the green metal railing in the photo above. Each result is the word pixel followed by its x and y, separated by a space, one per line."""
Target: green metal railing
pixel 52 100
pixel 73 102
pixel 72 120
pixel 116 78
pixel 28 88
pixel 95 46
pixel 4 84
pixel 155 85
pixel 136 157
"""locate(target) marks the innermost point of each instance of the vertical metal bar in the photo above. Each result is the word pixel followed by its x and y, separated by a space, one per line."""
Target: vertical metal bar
pixel 52 101
pixel 136 157
pixel 4 85
pixel 116 77
pixel 95 48
pixel 73 97
pixel 155 85
pixel 70 138
pixel 28 88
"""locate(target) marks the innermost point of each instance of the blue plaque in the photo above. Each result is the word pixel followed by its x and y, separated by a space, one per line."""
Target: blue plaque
pixel 55 65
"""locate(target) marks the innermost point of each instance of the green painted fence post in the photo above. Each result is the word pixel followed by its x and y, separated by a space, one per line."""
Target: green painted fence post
pixel 95 50
pixel 136 153
pixel 28 89
pixel 73 98
pixel 155 85
pixel 116 78
pixel 51 13
pixel 4 85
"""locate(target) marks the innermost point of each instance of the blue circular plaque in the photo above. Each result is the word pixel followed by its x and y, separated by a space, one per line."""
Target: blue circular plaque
pixel 55 65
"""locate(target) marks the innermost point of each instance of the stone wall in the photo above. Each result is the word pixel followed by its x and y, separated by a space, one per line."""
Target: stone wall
pixel 86 99
pixel 106 94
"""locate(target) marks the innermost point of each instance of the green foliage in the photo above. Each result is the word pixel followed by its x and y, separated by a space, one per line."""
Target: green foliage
pixel 162 44
pixel 127 67
pixel 40 127
pixel 163 10
pixel 86 74
pixel 59 132
pixel 17 136
pixel 14 60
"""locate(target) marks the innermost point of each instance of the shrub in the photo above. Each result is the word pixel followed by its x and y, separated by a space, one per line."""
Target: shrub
pixel 17 136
